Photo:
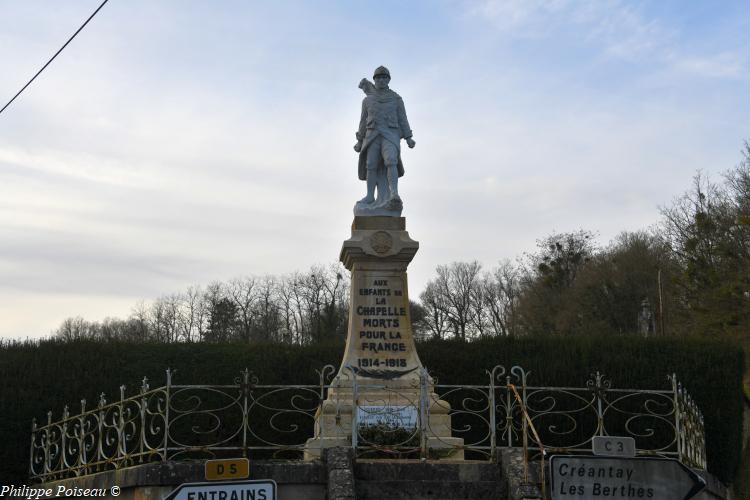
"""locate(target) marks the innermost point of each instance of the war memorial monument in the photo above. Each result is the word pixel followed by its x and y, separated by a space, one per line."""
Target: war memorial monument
pixel 380 355
pixel 449 442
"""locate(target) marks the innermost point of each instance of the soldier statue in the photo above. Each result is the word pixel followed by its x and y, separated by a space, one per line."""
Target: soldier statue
pixel 381 127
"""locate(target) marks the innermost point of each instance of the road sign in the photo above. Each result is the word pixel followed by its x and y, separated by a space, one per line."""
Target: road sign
pixel 236 468
pixel 613 446
pixel 235 490
pixel 594 477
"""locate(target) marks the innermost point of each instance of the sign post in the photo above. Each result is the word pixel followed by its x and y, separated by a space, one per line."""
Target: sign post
pixel 595 477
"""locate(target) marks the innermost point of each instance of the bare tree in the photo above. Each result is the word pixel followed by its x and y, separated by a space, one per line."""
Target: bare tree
pixel 193 314
pixel 435 318
pixel 502 289
pixel 299 308
pixel 222 314
pixel 268 321
pixel 73 329
pixel 164 317
pixel 138 329
pixel 286 293
pixel 242 293
pixel 457 283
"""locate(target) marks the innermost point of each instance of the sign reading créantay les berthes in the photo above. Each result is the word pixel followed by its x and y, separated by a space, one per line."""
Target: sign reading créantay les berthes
pixel 595 478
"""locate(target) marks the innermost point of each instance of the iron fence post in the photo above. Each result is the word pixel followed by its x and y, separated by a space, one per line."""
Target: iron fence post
pixel 525 443
pixel 167 404
pixel 31 448
pixel 677 415
pixel 63 436
pixel 144 406
pixel 245 415
pixel 599 395
pixel 521 374
pixel 491 398
pixel 83 460
pixel 47 444
pixel 100 428
pixel 122 445
pixel 508 412
pixel 423 414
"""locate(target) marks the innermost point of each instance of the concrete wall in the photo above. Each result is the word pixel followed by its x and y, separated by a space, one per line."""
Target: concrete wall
pixel 401 480
pixel 339 477
pixel 295 480
pixel 336 477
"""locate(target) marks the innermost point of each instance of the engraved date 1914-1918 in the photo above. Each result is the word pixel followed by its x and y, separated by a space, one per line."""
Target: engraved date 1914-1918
pixel 381 363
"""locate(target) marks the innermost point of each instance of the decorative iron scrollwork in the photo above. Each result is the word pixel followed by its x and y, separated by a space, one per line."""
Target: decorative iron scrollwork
pixel 275 421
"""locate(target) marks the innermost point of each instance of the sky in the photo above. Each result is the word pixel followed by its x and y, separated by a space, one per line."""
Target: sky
pixel 179 142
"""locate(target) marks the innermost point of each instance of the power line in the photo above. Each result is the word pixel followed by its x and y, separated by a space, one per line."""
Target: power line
pixel 56 54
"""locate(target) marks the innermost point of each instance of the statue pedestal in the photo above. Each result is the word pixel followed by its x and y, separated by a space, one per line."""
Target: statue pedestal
pixel 381 379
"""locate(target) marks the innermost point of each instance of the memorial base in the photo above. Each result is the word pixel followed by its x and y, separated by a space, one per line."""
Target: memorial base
pixel 381 378
pixel 333 427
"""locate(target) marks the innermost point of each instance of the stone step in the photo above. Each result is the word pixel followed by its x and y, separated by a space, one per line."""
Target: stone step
pixel 430 490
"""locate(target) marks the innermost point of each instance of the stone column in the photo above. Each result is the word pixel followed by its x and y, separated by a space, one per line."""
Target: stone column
pixel 380 355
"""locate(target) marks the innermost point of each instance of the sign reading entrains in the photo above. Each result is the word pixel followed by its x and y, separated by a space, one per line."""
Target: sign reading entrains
pixel 594 478
pixel 235 490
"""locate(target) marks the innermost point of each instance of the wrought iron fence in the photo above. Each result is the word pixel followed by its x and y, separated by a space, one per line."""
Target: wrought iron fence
pixel 247 418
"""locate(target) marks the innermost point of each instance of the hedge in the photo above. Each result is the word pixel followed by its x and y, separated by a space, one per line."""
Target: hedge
pixel 39 376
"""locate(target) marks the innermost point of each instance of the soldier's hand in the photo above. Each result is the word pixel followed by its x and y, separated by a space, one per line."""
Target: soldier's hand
pixel 358 147
pixel 410 142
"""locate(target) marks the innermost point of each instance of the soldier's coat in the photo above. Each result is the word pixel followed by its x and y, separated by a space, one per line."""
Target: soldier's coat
pixel 383 114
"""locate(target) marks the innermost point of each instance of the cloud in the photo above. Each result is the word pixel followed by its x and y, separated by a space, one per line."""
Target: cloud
pixel 519 17
pixel 625 33
pixel 615 30
pixel 723 65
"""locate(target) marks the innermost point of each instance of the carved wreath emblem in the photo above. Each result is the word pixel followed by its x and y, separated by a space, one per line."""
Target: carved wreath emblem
pixel 381 242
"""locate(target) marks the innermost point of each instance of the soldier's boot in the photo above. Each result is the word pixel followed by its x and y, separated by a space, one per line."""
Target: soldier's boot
pixel 371 183
pixel 393 183
pixel 394 200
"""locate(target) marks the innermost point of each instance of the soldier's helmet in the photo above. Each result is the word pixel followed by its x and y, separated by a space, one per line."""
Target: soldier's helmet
pixel 382 70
